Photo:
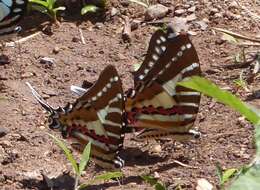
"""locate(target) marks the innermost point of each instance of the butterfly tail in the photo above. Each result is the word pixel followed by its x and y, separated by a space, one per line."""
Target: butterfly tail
pixel 40 100
pixel 54 117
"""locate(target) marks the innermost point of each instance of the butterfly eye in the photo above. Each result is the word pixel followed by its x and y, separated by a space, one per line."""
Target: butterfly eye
pixel 197 135
pixel 53 123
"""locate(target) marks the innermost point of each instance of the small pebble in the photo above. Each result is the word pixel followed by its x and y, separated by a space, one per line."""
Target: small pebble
pixel 179 12
pixel 56 50
pixel 155 12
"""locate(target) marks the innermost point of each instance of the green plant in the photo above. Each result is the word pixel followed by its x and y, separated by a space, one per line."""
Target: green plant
pixel 241 83
pixel 144 3
pixel 93 7
pixel 248 177
pixel 225 175
pixel 79 168
pixel 47 7
pixel 102 177
pixel 153 182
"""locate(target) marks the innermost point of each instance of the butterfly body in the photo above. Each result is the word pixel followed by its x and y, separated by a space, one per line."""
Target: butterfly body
pixel 96 117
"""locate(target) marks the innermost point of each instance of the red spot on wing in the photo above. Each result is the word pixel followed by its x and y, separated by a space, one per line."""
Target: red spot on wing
pixel 132 116
pixel 91 133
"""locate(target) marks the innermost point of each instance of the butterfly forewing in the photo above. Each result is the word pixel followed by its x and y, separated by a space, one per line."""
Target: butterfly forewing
pixel 158 103
pixel 157 47
pixel 97 116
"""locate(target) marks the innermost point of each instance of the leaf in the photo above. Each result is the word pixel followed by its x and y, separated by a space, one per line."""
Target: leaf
pixel 89 9
pixel 109 175
pixel 227 174
pixel 219 173
pixel 159 186
pixel 249 181
pixel 105 176
pixel 84 158
pixel 153 182
pixel 40 8
pixel 149 179
pixel 208 88
pixel 39 2
pixel 67 153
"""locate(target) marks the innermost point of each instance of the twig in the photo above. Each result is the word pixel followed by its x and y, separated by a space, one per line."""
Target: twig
pixel 81 36
pixel 22 40
pixel 184 165
pixel 126 35
pixel 248 44
pixel 236 35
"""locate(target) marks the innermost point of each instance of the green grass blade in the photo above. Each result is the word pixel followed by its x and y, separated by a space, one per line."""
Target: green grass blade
pixel 149 179
pixel 109 175
pixel 208 88
pixel 219 173
pixel 50 4
pixel 106 176
pixel 67 153
pixel 159 186
pixel 39 8
pixel 89 9
pixel 39 2
pixel 84 158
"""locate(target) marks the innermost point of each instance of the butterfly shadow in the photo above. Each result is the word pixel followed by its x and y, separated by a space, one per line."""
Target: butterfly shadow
pixel 135 156
pixel 62 182
pixel 116 183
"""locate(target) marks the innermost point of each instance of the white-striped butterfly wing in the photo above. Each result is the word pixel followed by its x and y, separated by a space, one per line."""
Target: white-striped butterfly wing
pixel 156 103
pixel 97 116
pixel 11 12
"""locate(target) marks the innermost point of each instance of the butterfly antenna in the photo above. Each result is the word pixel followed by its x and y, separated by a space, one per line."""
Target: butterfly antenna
pixel 37 96
pixel 78 90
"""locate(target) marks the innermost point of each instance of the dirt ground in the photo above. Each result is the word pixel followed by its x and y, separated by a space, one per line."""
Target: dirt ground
pixel 26 152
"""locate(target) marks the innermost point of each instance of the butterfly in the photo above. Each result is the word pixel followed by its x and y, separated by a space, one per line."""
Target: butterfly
pixel 157 105
pixel 97 117
pixel 11 12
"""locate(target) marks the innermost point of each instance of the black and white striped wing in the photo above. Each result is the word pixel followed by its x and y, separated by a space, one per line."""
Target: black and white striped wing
pixel 97 116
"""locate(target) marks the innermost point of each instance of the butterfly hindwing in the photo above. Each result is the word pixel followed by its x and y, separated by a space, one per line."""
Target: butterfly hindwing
pixel 97 117
pixel 156 102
